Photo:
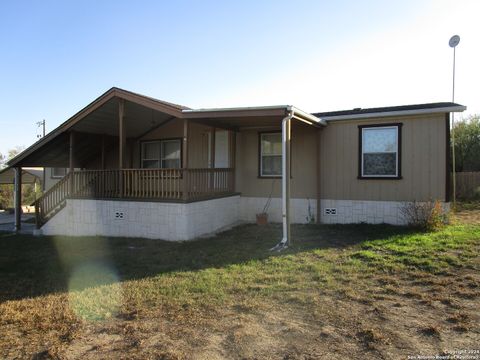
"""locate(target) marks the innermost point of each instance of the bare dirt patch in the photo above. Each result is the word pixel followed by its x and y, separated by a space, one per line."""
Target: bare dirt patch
pixel 468 213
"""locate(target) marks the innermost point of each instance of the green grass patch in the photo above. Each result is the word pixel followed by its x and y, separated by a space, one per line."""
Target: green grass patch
pixel 432 251
pixel 106 276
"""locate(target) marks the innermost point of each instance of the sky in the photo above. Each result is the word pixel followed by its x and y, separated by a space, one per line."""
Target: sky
pixel 58 56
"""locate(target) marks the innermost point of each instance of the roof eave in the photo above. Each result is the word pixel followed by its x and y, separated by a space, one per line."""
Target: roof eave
pixel 448 109
pixel 312 119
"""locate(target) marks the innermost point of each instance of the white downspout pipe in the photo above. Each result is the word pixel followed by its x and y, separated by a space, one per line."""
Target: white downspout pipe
pixel 292 113
pixel 286 136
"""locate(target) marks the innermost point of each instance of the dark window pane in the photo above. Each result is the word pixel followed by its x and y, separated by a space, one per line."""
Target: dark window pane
pixel 151 150
pixel 150 164
pixel 380 164
pixel 59 172
pixel 271 165
pixel 171 164
pixel 272 144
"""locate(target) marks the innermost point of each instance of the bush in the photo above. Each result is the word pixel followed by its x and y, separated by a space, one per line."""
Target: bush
pixel 476 193
pixel 428 216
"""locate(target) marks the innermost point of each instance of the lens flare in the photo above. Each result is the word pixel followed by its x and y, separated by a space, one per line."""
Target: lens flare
pixel 95 292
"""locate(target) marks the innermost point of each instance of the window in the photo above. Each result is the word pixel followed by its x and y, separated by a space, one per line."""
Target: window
pixel 165 154
pixel 270 154
pixel 58 173
pixel 380 151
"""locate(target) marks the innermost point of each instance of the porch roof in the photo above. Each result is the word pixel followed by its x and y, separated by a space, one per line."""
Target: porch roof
pixel 142 114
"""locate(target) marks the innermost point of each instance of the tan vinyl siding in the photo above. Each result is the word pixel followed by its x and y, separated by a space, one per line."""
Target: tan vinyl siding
pixel 304 169
pixel 422 160
pixel 49 180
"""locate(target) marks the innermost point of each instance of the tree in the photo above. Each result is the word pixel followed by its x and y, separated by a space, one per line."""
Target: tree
pixel 467 144
pixel 6 191
pixel 14 152
pixel 3 159
pixel 11 154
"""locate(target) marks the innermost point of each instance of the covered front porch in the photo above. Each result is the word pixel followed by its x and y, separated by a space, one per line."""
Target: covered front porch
pixel 126 147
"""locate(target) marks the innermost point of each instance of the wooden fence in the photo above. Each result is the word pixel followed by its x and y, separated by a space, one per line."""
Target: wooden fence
pixel 468 185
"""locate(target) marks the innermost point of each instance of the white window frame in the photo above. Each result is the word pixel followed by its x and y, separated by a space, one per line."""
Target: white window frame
pixel 262 175
pixel 373 128
pixel 161 157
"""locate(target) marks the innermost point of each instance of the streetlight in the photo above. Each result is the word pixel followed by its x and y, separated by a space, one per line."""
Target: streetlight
pixel 453 42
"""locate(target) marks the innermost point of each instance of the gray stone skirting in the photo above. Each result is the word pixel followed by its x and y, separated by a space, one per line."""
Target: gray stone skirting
pixel 185 221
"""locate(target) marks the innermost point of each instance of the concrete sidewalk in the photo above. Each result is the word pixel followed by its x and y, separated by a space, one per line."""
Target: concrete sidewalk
pixel 7 222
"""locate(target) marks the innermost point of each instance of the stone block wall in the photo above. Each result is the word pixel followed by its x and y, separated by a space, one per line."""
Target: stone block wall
pixel 178 221
pixel 154 220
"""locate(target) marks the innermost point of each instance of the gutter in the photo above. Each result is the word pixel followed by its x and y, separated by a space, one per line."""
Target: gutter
pixel 395 113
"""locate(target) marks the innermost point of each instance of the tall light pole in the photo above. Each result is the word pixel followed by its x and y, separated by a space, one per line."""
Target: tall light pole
pixel 454 41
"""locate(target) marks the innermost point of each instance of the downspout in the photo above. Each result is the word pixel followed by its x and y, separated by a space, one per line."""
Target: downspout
pixel 292 113
pixel 286 132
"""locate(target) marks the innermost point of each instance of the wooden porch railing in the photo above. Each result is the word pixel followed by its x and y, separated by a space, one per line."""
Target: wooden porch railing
pixel 51 200
pixel 145 184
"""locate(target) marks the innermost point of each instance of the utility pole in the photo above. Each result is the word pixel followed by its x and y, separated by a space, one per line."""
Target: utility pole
pixel 42 124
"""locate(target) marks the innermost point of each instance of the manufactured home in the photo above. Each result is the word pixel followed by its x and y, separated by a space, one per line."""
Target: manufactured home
pixel 134 166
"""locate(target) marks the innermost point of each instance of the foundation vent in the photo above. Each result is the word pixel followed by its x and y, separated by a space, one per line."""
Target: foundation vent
pixel 330 211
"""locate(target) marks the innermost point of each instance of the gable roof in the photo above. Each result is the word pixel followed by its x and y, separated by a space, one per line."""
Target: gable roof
pixel 114 92
pixel 358 113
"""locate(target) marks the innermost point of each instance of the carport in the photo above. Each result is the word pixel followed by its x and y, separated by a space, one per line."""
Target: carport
pixel 25 176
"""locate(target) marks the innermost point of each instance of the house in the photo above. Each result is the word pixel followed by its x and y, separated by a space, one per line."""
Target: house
pixel 141 167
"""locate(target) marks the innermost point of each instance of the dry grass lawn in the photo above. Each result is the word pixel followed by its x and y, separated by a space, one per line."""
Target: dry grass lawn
pixel 357 291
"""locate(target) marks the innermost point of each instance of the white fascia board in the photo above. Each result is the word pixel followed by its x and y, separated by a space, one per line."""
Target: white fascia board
pixel 309 117
pixel 395 113
pixel 246 108
pixel 302 114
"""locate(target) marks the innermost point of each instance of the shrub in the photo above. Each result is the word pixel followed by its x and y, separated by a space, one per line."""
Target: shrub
pixel 428 216
pixel 476 193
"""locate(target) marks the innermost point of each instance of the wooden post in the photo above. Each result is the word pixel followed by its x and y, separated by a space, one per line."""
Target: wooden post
pixel 211 180
pixel 319 174
pixel 132 153
pixel 103 152
pixel 231 164
pixel 121 134
pixel 212 148
pixel 18 199
pixel 72 162
pixel 121 143
pixel 185 160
